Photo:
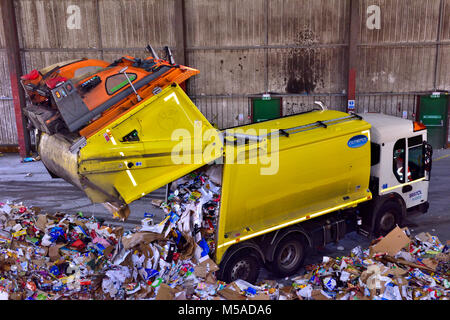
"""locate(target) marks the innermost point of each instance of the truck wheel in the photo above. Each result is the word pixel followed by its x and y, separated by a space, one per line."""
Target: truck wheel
pixel 387 217
pixel 289 255
pixel 242 265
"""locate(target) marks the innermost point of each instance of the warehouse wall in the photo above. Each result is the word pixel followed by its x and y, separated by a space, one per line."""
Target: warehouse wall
pixel 8 132
pixel 408 55
pixel 109 29
pixel 305 44
pixel 279 46
pixel 296 49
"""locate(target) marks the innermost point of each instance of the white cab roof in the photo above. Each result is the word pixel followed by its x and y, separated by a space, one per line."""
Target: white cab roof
pixel 387 128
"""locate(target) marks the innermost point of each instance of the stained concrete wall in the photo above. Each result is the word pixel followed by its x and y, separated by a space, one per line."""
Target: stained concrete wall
pixel 297 49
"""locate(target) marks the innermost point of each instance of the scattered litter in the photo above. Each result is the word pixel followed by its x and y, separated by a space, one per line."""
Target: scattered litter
pixel 157 202
pixel 31 159
pixel 68 256
pixel 62 256
pixel 395 267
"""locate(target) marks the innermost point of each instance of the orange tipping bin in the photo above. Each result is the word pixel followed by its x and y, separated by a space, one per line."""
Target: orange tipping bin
pixel 85 95
pixel 74 100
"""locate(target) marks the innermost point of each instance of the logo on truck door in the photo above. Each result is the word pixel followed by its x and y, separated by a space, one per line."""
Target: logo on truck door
pixel 357 141
pixel 415 195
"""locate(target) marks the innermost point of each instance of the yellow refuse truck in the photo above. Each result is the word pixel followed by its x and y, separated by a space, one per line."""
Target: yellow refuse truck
pixel 287 185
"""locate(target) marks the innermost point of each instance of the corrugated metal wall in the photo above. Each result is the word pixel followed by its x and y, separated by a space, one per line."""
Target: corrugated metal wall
pixel 8 131
pixel 296 49
pixel 286 47
pixel 443 65
pixel 109 29
pixel 408 55
pixel 307 41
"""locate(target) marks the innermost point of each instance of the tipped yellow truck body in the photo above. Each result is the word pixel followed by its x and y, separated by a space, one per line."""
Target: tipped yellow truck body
pixel 312 170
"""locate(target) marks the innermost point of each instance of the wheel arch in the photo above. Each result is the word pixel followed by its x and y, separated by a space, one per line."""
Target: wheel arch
pixel 380 201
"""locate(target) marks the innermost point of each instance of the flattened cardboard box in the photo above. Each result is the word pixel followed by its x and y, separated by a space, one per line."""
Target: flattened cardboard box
pixel 165 292
pixel 205 267
pixel 392 243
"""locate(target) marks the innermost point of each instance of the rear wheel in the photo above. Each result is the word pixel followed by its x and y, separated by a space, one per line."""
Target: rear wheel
pixel 242 265
pixel 387 217
pixel 289 255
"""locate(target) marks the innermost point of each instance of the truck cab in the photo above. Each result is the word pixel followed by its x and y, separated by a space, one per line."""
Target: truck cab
pixel 400 168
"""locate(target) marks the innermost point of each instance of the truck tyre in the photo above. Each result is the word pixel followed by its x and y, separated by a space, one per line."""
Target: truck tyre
pixel 289 255
pixel 387 217
pixel 242 265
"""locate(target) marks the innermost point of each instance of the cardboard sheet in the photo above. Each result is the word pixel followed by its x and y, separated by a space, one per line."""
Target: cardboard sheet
pixel 392 243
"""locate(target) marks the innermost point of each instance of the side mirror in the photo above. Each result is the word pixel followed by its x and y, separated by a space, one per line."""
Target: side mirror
pixel 427 156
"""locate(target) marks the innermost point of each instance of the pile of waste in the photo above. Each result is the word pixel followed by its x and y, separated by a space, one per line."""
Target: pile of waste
pixel 63 256
pixel 395 267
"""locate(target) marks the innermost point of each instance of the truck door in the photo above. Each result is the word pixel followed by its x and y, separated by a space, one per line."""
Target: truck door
pixel 408 177
pixel 416 192
pixel 399 160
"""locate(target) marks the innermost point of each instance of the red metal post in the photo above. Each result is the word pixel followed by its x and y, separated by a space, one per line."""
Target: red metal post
pixel 15 71
pixel 351 84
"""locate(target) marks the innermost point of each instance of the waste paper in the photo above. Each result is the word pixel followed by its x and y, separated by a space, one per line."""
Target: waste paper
pixel 66 256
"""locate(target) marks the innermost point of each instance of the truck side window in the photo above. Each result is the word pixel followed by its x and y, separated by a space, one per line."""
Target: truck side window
pixel 118 81
pixel 399 160
pixel 415 158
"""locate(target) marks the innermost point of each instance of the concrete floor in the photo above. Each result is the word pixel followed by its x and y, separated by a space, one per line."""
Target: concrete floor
pixel 30 184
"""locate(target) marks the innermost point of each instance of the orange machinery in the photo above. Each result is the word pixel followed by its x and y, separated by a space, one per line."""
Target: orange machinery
pixel 80 97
